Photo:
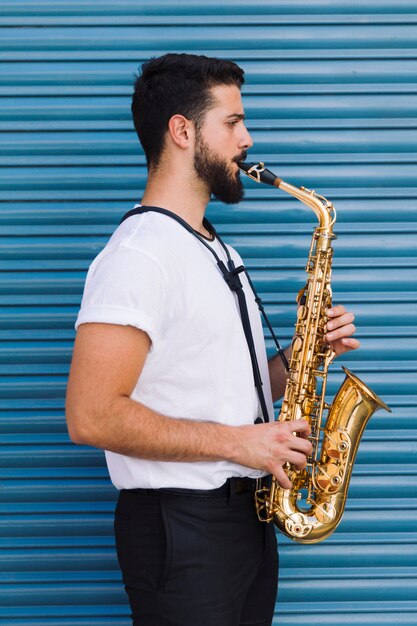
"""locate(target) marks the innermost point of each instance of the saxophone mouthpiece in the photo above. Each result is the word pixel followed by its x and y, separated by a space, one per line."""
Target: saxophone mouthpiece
pixel 259 173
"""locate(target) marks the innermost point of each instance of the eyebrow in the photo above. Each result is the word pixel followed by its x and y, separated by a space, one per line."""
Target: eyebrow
pixel 239 116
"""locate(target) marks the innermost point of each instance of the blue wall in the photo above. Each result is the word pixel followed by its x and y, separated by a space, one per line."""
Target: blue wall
pixel 331 103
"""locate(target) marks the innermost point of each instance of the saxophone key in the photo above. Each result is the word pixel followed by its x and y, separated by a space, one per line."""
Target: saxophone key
pixel 329 477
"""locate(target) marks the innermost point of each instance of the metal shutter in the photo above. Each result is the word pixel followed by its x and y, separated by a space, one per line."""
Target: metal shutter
pixel 331 103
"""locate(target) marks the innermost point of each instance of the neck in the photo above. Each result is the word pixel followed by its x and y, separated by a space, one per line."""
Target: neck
pixel 185 196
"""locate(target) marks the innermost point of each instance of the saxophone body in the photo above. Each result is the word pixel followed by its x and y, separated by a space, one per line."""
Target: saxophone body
pixel 311 510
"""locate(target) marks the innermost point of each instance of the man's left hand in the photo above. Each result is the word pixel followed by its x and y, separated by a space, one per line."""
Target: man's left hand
pixel 340 329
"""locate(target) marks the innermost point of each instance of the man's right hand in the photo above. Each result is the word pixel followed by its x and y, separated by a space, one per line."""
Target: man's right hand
pixel 271 446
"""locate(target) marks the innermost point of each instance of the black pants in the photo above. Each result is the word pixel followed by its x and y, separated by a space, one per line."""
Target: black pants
pixel 193 560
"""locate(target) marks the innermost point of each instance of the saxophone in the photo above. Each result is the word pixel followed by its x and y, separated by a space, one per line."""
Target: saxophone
pixel 311 510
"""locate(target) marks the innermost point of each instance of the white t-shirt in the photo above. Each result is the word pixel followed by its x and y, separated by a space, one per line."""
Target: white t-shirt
pixel 155 275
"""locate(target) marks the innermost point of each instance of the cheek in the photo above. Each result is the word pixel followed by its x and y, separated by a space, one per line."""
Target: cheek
pixel 221 141
pixel 221 135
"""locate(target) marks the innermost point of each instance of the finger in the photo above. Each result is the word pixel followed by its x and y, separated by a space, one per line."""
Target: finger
pixel 299 426
pixel 341 320
pixel 351 343
pixel 304 446
pixel 344 345
pixel 335 311
pixel 297 459
pixel 339 333
pixel 282 478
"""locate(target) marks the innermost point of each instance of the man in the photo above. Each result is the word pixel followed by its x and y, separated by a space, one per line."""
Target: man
pixel 161 377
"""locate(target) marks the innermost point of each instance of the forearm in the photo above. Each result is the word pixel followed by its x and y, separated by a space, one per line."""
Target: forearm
pixel 135 430
pixel 130 428
pixel 278 374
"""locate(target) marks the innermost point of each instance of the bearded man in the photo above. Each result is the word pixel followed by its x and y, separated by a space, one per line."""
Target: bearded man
pixel 162 376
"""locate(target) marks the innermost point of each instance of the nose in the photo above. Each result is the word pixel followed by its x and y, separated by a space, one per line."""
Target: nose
pixel 246 140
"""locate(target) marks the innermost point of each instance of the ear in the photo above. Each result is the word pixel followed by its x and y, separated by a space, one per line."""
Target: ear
pixel 181 131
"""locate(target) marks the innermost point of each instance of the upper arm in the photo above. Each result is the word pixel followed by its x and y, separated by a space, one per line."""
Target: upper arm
pixel 107 362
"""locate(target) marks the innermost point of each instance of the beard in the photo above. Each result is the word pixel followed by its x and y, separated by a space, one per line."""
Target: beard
pixel 222 182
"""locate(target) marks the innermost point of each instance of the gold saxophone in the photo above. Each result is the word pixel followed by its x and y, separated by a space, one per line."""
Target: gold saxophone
pixel 310 511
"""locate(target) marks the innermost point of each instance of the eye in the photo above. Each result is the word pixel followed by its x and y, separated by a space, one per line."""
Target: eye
pixel 233 123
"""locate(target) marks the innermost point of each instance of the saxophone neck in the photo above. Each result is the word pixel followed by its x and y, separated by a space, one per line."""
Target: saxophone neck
pixel 324 210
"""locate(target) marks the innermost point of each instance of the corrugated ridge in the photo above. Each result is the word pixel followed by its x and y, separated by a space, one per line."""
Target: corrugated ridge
pixel 330 101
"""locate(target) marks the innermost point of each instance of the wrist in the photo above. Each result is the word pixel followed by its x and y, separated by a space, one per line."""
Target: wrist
pixel 236 442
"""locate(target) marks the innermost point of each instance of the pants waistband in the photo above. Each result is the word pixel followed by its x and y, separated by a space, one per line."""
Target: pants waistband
pixel 232 486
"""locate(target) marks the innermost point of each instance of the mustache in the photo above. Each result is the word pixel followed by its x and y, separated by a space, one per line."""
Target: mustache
pixel 241 157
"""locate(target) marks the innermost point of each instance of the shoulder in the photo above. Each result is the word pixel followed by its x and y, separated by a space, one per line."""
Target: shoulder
pixel 234 254
pixel 157 236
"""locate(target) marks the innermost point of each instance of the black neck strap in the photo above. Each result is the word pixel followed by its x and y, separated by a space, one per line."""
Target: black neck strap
pixel 231 276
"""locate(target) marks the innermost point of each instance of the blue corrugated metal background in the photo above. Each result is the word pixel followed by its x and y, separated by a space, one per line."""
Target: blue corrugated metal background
pixel 331 103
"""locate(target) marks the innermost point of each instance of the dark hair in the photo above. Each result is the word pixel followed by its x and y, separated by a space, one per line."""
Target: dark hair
pixel 176 84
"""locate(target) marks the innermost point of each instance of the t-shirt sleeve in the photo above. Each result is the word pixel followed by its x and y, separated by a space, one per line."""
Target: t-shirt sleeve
pixel 125 286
